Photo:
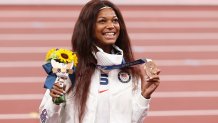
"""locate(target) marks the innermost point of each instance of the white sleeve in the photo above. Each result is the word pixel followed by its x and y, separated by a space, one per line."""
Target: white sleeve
pixel 140 106
pixel 48 111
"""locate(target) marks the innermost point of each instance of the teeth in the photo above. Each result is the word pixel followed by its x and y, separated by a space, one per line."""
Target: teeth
pixel 109 33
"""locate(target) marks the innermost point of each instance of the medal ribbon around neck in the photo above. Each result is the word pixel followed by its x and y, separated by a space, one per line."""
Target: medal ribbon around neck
pixel 150 66
pixel 128 64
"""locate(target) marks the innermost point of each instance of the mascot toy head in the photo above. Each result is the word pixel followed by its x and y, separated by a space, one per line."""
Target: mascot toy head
pixel 62 70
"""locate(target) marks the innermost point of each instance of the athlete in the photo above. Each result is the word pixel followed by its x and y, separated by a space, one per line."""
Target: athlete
pixel 100 95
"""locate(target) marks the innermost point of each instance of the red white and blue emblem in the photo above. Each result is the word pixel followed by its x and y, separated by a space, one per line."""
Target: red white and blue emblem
pixel 124 76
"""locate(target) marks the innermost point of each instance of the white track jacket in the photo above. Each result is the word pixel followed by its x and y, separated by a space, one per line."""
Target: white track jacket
pixel 124 105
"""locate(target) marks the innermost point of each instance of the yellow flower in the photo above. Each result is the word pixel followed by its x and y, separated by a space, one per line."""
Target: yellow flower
pixel 62 55
pixel 65 56
pixel 75 60
pixel 50 54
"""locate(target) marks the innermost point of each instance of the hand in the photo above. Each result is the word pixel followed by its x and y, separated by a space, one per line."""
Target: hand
pixel 56 91
pixel 150 82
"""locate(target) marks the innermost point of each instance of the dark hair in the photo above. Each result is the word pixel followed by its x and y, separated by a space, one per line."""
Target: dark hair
pixel 83 42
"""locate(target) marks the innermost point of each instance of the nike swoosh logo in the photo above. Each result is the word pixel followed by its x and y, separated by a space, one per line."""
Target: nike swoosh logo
pixel 103 91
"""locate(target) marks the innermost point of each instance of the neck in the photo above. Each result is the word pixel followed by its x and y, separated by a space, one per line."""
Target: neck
pixel 105 48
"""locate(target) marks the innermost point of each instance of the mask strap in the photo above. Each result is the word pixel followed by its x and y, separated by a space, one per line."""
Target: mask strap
pixel 93 52
pixel 99 49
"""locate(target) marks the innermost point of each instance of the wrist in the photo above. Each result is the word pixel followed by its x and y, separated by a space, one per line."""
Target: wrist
pixel 146 96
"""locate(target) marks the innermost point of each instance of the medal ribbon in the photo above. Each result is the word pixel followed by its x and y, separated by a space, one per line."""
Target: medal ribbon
pixel 128 64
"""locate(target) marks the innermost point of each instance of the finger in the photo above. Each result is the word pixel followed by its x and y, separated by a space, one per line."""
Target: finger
pixel 152 82
pixel 59 88
pixel 149 90
pixel 158 71
pixel 149 82
pixel 146 85
pixel 152 88
pixel 57 84
pixel 53 95
pixel 57 91
pixel 143 77
pixel 153 79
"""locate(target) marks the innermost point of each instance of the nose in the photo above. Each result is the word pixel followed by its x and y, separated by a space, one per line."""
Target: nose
pixel 110 25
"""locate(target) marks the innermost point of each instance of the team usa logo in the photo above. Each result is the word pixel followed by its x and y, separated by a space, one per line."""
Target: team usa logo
pixel 124 77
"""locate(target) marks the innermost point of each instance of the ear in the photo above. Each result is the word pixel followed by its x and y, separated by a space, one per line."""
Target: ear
pixel 54 63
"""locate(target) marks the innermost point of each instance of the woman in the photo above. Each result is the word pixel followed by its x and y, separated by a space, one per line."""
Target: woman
pixel 101 96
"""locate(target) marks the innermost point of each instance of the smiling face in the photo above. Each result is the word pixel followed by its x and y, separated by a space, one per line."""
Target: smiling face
pixel 107 28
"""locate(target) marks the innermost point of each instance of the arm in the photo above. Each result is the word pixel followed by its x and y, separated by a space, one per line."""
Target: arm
pixel 146 86
pixel 140 106
pixel 48 111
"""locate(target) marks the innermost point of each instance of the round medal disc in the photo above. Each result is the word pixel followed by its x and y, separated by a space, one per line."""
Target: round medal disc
pixel 151 69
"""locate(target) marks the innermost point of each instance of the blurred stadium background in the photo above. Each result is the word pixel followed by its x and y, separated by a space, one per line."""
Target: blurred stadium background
pixel 180 35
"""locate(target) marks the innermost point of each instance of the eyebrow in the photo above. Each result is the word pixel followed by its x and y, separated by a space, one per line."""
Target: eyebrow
pixel 106 17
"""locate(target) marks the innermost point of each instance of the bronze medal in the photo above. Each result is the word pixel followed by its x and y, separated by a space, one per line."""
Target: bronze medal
pixel 151 69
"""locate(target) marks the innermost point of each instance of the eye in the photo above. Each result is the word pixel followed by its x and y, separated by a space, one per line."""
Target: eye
pixel 67 70
pixel 115 20
pixel 58 70
pixel 102 21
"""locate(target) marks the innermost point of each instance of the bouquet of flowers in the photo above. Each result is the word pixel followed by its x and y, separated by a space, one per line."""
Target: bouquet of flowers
pixel 60 64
